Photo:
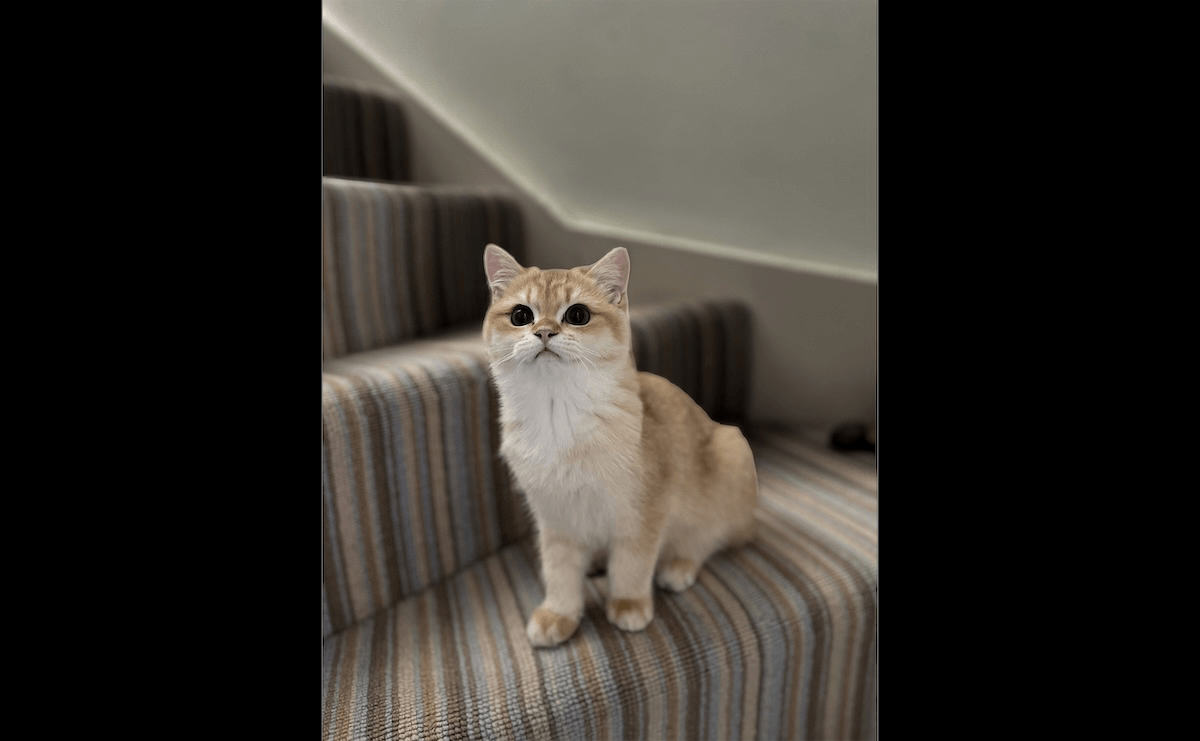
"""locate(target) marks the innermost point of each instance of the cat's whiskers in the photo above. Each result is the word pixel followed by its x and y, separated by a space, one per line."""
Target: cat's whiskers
pixel 589 351
pixel 583 359
pixel 596 354
pixel 576 351
pixel 512 354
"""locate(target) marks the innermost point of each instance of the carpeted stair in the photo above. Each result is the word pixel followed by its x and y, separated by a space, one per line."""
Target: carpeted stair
pixel 428 569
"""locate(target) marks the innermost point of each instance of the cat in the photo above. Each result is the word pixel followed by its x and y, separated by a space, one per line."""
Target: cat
pixel 615 464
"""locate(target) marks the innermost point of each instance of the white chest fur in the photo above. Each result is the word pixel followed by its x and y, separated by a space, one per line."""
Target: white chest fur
pixel 571 445
pixel 550 407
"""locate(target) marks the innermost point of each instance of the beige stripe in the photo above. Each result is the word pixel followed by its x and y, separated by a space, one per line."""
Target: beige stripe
pixel 490 659
pixel 373 258
pixel 343 505
pixel 580 671
pixel 338 619
pixel 331 299
pixel 368 516
pixel 856 504
pixel 809 510
pixel 454 689
pixel 679 722
pixel 846 467
pixel 648 656
pixel 856 578
pixel 438 493
pixel 783 503
pixel 832 683
pixel 795 696
pixel 748 643
pixel 427 630
pixel 599 710
pixel 402 285
pixel 843 596
pixel 869 711
pixel 508 505
pixel 529 679
pixel 664 708
pixel 405 666
pixel 465 372
pixel 481 452
pixel 353 258
pixel 378 687
pixel 346 681
pixel 373 383
pixel 804 469
pixel 329 709
pixel 722 693
pixel 416 500
pixel 424 281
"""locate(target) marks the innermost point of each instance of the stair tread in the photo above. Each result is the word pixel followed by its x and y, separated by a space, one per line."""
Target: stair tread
pixel 775 639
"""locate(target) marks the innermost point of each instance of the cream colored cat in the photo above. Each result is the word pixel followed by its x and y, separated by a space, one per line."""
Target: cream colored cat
pixel 614 463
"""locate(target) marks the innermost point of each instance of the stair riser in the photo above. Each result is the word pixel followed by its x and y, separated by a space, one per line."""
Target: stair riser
pixel 363 135
pixel 414 489
pixel 399 262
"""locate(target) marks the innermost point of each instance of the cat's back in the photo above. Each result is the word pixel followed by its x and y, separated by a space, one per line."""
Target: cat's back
pixel 668 408
pixel 705 468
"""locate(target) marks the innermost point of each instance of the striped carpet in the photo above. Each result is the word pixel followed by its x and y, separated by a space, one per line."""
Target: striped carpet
pixel 702 347
pixel 775 640
pixel 401 261
pixel 413 488
pixel 364 132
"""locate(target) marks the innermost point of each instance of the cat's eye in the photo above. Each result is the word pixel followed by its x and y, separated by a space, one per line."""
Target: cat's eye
pixel 521 316
pixel 577 314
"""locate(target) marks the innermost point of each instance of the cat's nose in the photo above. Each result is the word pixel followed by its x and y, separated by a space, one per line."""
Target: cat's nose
pixel 545 334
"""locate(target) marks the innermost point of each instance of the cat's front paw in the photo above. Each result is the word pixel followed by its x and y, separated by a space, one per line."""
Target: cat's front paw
pixel 548 628
pixel 631 614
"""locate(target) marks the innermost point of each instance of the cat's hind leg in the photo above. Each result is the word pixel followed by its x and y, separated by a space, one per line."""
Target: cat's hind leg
pixel 630 582
pixel 717 514
pixel 682 558
pixel 678 574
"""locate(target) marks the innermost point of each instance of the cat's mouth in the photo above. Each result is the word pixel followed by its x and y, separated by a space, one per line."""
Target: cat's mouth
pixel 547 351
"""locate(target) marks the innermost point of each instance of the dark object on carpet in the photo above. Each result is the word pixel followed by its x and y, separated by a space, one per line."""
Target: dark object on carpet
pixel 853 436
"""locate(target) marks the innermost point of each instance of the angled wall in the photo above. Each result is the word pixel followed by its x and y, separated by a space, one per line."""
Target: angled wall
pixel 790 227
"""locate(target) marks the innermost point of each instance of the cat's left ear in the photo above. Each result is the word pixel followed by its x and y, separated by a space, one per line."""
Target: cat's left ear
pixel 612 273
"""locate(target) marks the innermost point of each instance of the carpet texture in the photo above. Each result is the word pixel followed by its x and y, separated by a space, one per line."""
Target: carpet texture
pixel 775 640
pixel 403 261
pixel 364 133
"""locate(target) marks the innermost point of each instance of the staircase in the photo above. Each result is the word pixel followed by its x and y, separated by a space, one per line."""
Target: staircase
pixel 429 573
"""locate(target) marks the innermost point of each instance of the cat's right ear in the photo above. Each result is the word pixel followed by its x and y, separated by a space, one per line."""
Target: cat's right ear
pixel 501 268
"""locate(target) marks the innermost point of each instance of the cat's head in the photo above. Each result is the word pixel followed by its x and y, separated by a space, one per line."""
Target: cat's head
pixel 538 318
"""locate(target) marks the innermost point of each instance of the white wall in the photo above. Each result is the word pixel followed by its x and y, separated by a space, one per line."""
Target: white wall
pixel 726 126
pixel 813 298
